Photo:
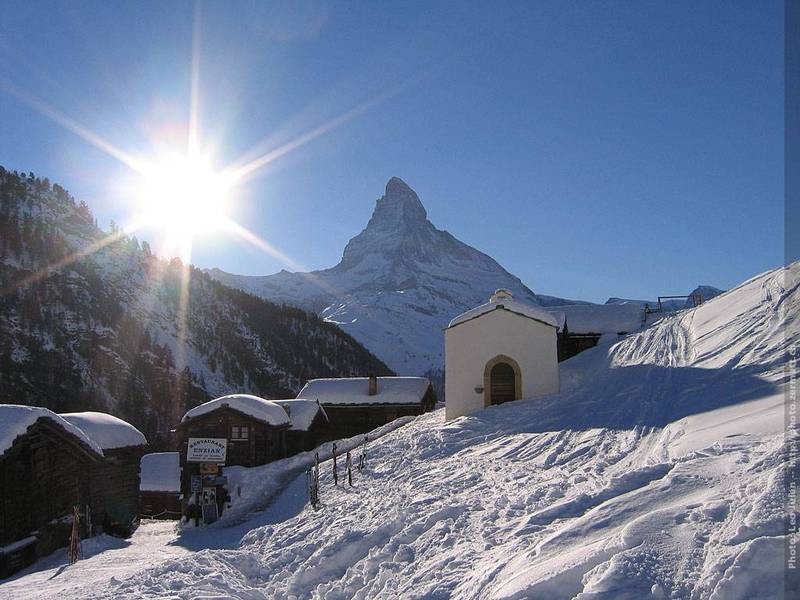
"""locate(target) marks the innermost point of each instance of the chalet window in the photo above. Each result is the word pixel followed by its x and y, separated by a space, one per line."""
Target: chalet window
pixel 240 432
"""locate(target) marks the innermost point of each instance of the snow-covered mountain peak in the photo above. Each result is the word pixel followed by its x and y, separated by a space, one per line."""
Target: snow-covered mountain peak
pixel 399 205
pixel 399 242
pixel 400 281
pixel 399 212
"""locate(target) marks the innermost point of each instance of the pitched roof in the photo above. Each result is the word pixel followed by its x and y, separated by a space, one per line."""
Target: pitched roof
pixel 599 318
pixel 262 410
pixel 520 308
pixel 107 431
pixel 355 390
pixel 15 420
pixel 302 412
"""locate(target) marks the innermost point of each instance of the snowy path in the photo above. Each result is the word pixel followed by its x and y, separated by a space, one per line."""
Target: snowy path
pixel 104 557
pixel 109 560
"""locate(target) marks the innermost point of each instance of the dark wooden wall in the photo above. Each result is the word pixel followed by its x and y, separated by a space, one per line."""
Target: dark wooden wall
pixel 47 472
pixel 303 441
pixel 570 344
pixel 265 443
pixel 348 420
pixel 116 481
pixel 43 476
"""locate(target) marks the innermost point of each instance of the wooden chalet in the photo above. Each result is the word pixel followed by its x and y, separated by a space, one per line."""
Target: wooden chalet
pixel 116 479
pixel 239 429
pixel 48 466
pixel 309 425
pixel 357 405
pixel 160 486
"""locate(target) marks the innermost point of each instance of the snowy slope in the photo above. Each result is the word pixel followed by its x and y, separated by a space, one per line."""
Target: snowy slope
pixel 656 473
pixel 399 283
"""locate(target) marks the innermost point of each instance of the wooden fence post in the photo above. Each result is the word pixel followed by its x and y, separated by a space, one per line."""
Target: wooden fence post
pixel 335 469
pixel 75 536
pixel 362 458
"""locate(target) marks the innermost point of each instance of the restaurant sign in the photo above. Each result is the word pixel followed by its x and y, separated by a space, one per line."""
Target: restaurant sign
pixel 206 450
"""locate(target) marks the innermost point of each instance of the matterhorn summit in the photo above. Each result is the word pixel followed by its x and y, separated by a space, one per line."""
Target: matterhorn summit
pixel 399 206
pixel 398 284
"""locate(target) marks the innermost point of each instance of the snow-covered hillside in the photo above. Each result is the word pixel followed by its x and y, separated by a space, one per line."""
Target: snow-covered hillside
pixel 92 321
pixel 399 283
pixel 656 473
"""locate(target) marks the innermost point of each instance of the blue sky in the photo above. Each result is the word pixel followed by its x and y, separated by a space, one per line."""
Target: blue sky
pixel 594 149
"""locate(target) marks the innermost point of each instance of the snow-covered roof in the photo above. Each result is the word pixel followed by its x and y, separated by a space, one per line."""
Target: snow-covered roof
pixel 266 411
pixel 506 303
pixel 108 431
pixel 355 390
pixel 161 472
pixel 15 420
pixel 302 412
pixel 599 318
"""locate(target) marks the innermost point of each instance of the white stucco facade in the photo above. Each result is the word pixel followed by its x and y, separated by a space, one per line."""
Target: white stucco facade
pixel 502 331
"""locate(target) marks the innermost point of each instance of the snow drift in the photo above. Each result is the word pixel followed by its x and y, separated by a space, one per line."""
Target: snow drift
pixel 657 472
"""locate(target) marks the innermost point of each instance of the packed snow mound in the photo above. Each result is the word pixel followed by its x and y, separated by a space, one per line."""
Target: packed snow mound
pixel 355 390
pixel 679 499
pixel 527 310
pixel 599 318
pixel 15 420
pixel 266 411
pixel 160 472
pixel 107 430
pixel 302 412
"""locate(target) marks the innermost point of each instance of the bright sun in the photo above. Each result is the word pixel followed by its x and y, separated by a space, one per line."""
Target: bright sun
pixel 184 197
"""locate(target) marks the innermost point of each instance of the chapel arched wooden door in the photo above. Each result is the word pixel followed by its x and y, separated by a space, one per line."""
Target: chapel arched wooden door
pixel 502 383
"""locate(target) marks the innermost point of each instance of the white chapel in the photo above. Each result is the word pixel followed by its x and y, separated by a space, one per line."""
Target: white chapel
pixel 500 351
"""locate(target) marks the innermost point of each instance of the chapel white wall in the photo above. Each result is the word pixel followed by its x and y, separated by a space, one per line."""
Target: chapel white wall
pixel 472 344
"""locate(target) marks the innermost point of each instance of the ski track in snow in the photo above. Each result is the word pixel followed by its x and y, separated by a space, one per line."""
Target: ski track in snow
pixel 502 505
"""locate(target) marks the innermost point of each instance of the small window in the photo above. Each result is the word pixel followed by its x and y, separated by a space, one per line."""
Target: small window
pixel 240 432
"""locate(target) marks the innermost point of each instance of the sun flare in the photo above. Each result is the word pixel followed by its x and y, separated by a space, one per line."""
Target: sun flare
pixel 184 197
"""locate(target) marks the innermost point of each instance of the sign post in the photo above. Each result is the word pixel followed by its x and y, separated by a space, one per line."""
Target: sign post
pixel 209 468
pixel 207 450
pixel 209 505
pixel 208 454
